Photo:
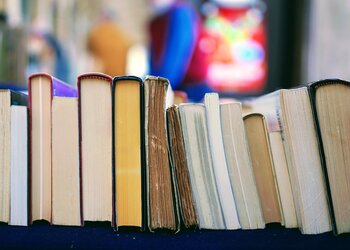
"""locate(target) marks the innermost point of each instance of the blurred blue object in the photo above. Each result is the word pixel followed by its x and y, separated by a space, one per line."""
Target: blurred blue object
pixel 45 51
pixel 173 38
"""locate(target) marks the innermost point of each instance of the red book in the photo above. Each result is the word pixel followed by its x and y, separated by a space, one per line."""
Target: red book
pixel 42 88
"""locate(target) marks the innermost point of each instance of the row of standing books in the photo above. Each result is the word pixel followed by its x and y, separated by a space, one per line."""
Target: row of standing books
pixel 112 151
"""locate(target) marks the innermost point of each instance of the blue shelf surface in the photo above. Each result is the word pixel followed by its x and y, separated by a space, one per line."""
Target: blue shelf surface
pixel 104 237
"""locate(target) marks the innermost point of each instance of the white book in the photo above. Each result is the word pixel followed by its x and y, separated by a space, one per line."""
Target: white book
pixel 240 167
pixel 19 167
pixel 199 163
pixel 219 161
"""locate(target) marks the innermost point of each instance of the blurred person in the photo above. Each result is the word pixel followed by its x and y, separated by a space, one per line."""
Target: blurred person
pixel 108 45
pixel 46 53
pixel 175 51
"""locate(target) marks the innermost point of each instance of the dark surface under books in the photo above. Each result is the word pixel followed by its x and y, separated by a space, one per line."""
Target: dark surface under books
pixel 102 236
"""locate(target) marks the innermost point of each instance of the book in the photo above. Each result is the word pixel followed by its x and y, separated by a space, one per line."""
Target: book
pixel 95 124
pixel 289 113
pixel 42 88
pixel 200 169
pixel 304 162
pixel 269 106
pixel 217 151
pixel 260 152
pixel 129 158
pixel 66 207
pixel 180 168
pixel 13 158
pixel 161 198
pixel 330 105
pixel 240 167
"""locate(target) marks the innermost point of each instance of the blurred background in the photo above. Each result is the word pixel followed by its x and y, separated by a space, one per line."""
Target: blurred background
pixel 235 47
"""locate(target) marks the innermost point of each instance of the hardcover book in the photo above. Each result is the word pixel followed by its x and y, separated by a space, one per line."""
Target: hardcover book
pixel 95 125
pixel 42 88
pixel 128 151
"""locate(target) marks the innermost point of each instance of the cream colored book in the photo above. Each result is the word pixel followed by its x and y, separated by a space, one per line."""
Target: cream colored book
pixel 95 113
pixel 217 151
pixel 240 167
pixel 65 162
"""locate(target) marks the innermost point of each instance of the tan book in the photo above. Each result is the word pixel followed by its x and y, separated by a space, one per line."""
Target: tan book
pixel 260 152
pixel 128 151
pixel 269 106
pixel 95 117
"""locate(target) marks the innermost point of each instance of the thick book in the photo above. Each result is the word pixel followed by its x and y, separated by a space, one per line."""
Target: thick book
pixel 13 158
pixel 179 165
pixel 161 198
pixel 66 209
pixel 289 113
pixel 260 152
pixel 331 109
pixel 42 88
pixel 199 163
pixel 227 200
pixel 128 151
pixel 95 125
pixel 240 167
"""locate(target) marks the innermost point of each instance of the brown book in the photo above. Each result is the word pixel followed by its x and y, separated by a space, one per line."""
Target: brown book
pixel 162 212
pixel 95 122
pixel 179 165
pixel 128 151
pixel 260 153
